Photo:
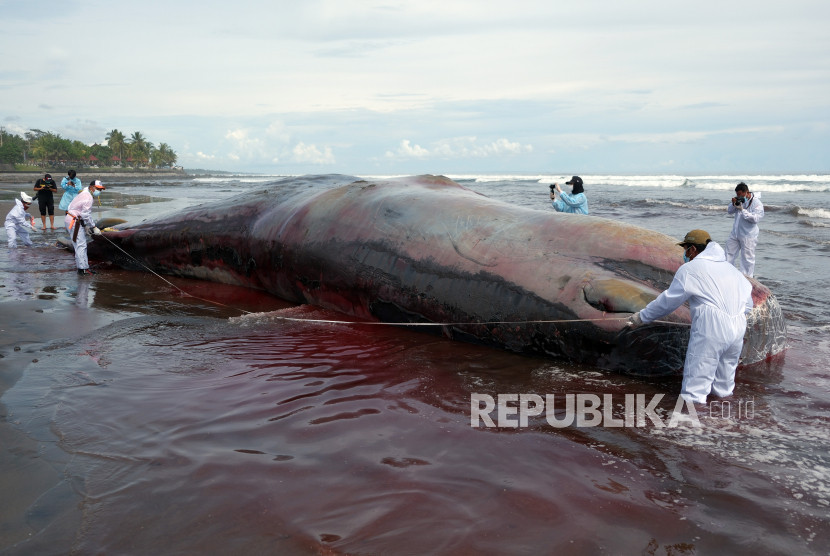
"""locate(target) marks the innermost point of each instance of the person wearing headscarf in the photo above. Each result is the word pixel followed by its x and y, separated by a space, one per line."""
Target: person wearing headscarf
pixel 72 186
pixel 574 202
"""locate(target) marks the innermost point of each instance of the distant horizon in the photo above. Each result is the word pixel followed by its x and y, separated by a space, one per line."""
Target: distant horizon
pixel 524 173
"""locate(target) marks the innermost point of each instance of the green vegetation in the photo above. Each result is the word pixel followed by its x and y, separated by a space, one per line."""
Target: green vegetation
pixel 41 149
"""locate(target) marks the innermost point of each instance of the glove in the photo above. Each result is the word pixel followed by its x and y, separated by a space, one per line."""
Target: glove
pixel 634 320
pixel 96 231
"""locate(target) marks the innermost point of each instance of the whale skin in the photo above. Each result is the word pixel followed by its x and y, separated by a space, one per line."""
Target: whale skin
pixel 424 249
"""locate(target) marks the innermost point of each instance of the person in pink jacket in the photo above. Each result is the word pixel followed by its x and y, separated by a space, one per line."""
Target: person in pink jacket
pixel 78 220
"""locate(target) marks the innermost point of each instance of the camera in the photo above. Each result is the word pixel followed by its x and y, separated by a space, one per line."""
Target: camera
pixel 552 188
pixel 739 201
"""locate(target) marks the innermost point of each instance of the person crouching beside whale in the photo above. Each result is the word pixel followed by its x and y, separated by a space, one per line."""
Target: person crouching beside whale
pixel 18 222
pixel 78 219
pixel 575 203
pixel 719 297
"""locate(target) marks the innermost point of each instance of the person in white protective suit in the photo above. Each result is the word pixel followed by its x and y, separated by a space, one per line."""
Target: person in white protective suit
pixel 78 219
pixel 719 298
pixel 18 222
pixel 748 210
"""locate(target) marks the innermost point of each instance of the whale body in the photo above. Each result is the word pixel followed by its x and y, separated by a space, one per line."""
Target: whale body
pixel 425 249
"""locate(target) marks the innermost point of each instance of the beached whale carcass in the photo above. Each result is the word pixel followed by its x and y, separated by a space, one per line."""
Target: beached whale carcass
pixel 426 249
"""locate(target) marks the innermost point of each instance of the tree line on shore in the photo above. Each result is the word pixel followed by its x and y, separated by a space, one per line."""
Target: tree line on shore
pixel 47 149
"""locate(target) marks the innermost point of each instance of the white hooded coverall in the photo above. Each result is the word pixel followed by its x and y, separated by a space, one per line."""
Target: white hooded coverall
pixel 18 222
pixel 80 207
pixel 719 297
pixel 744 236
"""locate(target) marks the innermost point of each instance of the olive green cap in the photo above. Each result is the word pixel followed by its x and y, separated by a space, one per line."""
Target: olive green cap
pixel 696 237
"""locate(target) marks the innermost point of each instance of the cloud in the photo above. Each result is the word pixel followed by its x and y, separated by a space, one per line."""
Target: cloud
pixel 245 145
pixel 353 49
pixel 401 86
pixel 310 153
pixel 459 147
pixel 86 131
pixel 277 130
pixel 678 137
pixel 406 150
pixel 14 128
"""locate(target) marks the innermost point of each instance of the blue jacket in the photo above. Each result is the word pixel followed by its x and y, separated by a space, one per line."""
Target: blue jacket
pixel 574 204
pixel 72 187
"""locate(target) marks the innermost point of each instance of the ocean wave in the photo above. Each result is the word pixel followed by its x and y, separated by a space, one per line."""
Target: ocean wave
pixel 808 239
pixel 239 179
pixel 785 183
pixel 811 212
pixel 815 224
pixel 678 204
pixel 537 178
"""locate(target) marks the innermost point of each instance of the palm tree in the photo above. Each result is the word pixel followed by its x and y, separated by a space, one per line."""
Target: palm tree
pixel 139 147
pixel 51 147
pixel 115 141
pixel 163 156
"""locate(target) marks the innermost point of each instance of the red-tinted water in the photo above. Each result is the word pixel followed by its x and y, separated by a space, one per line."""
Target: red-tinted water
pixel 197 434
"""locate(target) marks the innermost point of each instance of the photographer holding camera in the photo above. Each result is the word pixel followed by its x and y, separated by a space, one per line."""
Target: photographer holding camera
pixel 748 210
pixel 46 188
pixel 575 203
pixel 71 185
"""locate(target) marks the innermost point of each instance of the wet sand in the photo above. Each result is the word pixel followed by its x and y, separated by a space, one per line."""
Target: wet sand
pixel 27 477
pixel 30 321
pixel 44 303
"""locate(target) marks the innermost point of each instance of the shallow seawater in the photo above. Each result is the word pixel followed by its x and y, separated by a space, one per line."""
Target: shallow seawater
pixel 173 424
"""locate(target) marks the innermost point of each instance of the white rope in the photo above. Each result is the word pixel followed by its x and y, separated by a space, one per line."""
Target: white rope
pixel 378 323
pixel 171 283
pixel 487 323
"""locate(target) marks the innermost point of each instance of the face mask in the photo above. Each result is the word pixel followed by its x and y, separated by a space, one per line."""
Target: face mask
pixel 96 194
pixel 685 258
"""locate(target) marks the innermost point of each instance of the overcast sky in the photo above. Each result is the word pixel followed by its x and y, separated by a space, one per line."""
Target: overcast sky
pixel 443 87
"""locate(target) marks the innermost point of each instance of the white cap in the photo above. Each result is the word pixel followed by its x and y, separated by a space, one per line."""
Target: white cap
pixel 26 198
